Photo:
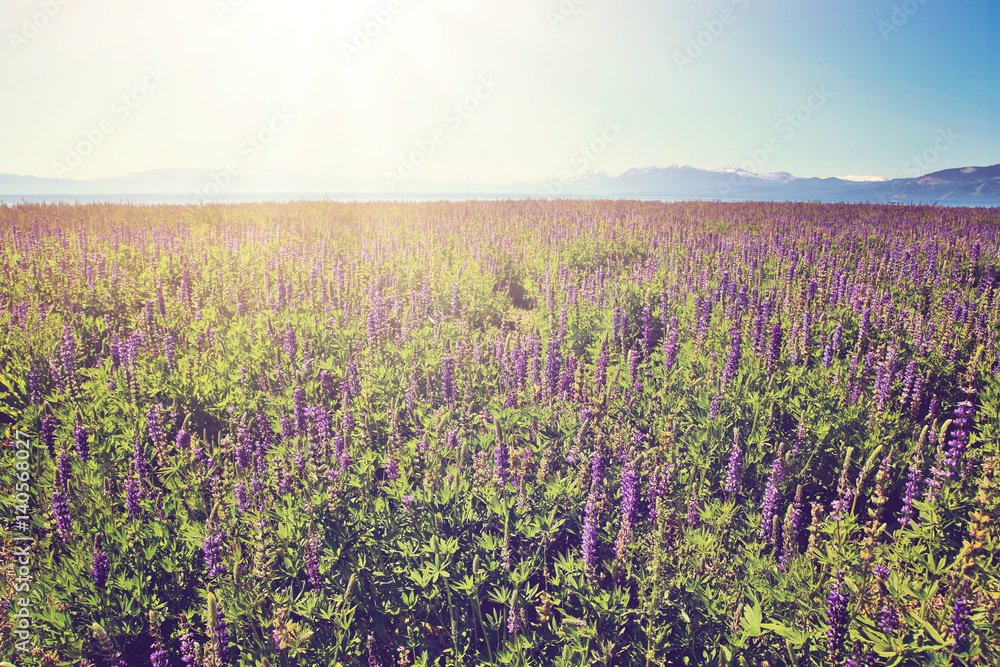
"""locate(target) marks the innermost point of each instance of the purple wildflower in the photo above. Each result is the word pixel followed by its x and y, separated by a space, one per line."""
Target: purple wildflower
pixel 63 470
pixel 159 657
pixel 734 470
pixel 49 434
pixel 501 463
pixel 590 516
pixel 769 506
pixel 314 551
pixel 837 618
pixel 733 359
pixel 908 513
pixel 514 617
pixel 774 348
pixel 60 508
pixel 80 439
pixel 887 620
pixel 961 623
pixel 693 515
pixel 628 495
pixel 132 496
pixel 99 564
pixel 211 548
pixel 220 639
pixel 960 428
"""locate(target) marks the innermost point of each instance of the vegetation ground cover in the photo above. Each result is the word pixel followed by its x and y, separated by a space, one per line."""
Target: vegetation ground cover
pixel 518 433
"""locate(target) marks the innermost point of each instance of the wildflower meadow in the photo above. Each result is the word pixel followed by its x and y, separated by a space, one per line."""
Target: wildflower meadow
pixel 522 432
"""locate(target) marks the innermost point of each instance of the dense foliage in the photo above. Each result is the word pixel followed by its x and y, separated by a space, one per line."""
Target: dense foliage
pixel 519 432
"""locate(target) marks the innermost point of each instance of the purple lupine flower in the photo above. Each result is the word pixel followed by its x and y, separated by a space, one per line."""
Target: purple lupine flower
pixel 188 652
pixel 448 390
pixel 628 495
pixel 769 506
pixel 211 548
pixel 884 378
pixel 287 428
pixel 290 344
pixel 774 348
pixel 99 564
pixel 34 384
pixel 240 496
pixel 553 364
pixel 633 365
pixel 314 551
pixel 911 493
pixel 935 407
pixel 169 351
pixel 183 441
pixel 734 470
pixel 132 496
pixel 733 359
pixel 139 460
pixel 159 657
pixel 713 408
pixel 49 434
pixel 693 515
pixel 792 524
pixel 861 657
pixel 299 401
pixel 81 441
pixel 909 377
pixel 501 463
pixel 646 320
pixel 961 623
pixel 63 471
pixel 590 516
pixel 60 508
pixel 220 639
pixel 800 435
pixel 837 618
pixel 514 617
pixel 961 427
pixel 887 620
pixel 568 374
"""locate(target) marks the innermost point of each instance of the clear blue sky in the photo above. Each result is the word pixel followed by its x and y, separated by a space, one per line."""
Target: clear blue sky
pixel 146 85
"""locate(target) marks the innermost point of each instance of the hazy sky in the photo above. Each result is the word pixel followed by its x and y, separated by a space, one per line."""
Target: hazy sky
pixel 95 88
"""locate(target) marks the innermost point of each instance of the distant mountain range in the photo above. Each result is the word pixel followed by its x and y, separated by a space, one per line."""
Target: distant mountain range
pixel 969 186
